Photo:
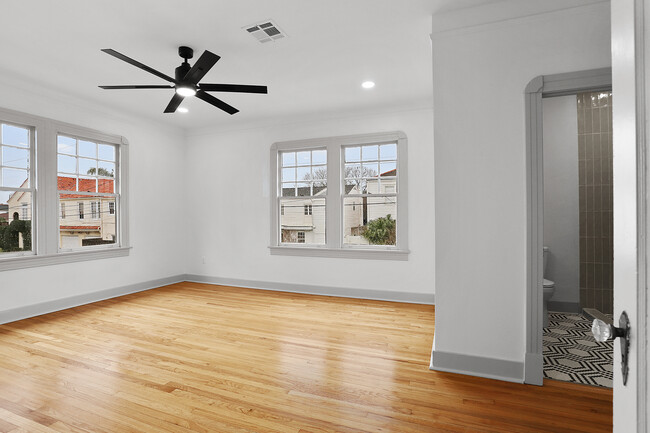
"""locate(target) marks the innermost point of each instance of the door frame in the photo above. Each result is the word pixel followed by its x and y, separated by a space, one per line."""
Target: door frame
pixel 540 87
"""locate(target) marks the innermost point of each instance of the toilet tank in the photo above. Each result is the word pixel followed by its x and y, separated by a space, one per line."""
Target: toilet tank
pixel 545 259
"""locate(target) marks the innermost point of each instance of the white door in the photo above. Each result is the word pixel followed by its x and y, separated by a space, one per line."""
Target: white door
pixel 629 224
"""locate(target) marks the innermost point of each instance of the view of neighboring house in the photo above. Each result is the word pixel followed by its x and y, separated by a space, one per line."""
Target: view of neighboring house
pixel 4 213
pixel 83 219
pixel 303 220
pixel 86 220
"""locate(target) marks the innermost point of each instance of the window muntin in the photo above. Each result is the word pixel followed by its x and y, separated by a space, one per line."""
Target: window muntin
pixel 87 176
pixel 16 189
pixel 302 191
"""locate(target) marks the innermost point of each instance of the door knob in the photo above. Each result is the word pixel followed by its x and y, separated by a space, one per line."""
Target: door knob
pixel 603 331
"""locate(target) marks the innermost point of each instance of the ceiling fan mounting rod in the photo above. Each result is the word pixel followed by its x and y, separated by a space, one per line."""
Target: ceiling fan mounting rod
pixel 185 52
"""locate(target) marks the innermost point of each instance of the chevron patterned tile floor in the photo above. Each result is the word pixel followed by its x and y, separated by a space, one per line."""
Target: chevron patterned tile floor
pixel 572 355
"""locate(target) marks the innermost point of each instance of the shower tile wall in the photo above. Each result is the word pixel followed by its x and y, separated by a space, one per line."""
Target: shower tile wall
pixel 595 192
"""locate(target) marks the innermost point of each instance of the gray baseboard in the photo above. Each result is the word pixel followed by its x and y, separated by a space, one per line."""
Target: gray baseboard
pixel 380 295
pixel 20 313
pixel 534 369
pixel 491 368
pixel 564 307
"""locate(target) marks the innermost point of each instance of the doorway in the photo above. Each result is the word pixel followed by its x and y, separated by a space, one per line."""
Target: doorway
pixel 546 87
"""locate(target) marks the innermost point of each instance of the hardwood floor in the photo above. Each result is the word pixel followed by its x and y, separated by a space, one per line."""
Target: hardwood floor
pixel 202 358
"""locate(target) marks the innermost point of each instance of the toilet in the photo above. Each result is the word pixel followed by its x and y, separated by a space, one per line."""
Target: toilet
pixel 549 289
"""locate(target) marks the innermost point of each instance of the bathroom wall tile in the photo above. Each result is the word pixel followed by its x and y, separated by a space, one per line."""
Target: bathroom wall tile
pixel 604 121
pixel 590 298
pixel 595 143
pixel 583 297
pixel 581 172
pixel 589 142
pixel 598 249
pixel 590 229
pixel 595 121
pixel 583 275
pixel 589 172
pixel 598 200
pixel 588 120
pixel 581 147
pixel 607 276
pixel 581 121
pixel 589 205
pixel 594 100
pixel 598 276
pixel 583 229
pixel 598 299
pixel 608 304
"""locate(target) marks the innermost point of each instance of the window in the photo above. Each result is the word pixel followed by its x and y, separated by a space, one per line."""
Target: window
pixel 78 171
pixel 94 210
pixel 301 196
pixel 86 174
pixel 340 197
pixel 16 188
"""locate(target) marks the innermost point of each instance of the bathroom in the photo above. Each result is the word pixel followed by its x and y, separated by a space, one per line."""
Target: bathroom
pixel 578 235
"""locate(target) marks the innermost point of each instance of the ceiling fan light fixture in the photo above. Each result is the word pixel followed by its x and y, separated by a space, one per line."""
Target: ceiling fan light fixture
pixel 186 91
pixel 368 84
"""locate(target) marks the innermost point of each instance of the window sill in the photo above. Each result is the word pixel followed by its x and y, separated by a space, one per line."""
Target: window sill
pixel 33 261
pixel 342 253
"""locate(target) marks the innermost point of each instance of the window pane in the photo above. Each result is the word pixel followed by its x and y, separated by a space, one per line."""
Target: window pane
pixel 86 221
pixel 67 164
pixel 369 169
pixel 388 151
pixel 304 158
pixel 288 174
pixel 319 157
pixel 303 221
pixel 87 149
pixel 388 185
pixel 385 168
pixel 352 170
pixel 369 220
pixel 67 145
pixel 106 169
pixel 106 186
pixel 288 189
pixel 15 136
pixel 370 153
pixel 13 157
pixel 87 184
pixel 303 173
pixel 106 152
pixel 87 166
pixel 356 186
pixel 304 189
pixel 15 221
pixel 352 154
pixel 14 178
pixel 288 159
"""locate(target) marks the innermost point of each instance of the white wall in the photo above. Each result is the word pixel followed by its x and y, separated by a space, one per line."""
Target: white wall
pixel 561 198
pixel 228 194
pixel 480 74
pixel 156 183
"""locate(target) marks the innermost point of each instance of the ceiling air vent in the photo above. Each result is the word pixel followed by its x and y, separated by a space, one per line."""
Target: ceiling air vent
pixel 265 31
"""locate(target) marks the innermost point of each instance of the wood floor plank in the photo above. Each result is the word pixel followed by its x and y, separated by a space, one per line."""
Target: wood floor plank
pixel 192 357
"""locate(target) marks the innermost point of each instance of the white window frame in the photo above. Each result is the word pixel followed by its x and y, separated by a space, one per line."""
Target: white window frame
pixel 334 246
pixel 45 207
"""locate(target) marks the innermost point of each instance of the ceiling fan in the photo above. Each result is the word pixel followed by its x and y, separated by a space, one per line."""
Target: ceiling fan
pixel 186 80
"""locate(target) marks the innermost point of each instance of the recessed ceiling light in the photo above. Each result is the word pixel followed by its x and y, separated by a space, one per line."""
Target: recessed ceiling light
pixel 368 84
pixel 183 110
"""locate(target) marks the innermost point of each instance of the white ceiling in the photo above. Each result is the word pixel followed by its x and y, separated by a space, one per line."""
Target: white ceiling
pixel 332 47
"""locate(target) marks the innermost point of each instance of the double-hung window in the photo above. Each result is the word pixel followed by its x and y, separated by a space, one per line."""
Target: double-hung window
pixel 62 192
pixel 340 197
pixel 16 188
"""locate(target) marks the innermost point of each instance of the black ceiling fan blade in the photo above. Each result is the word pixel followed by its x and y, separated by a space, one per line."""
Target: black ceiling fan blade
pixel 174 103
pixel 201 67
pixel 138 64
pixel 216 102
pixel 138 86
pixel 239 88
